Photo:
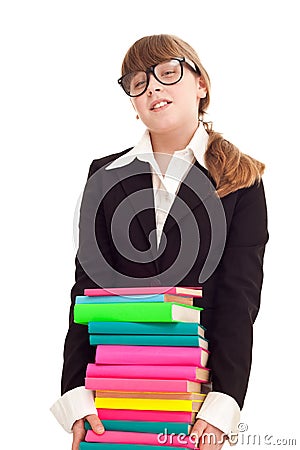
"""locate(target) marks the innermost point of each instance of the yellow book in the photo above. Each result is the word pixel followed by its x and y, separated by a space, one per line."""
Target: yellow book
pixel 148 404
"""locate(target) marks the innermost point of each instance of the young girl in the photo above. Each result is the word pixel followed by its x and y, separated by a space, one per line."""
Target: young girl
pixel 183 207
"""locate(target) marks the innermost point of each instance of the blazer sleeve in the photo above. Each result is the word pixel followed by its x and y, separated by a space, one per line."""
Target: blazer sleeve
pixel 77 350
pixel 237 295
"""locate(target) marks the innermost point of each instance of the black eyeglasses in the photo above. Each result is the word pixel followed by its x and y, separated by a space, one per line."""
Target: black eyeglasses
pixel 167 72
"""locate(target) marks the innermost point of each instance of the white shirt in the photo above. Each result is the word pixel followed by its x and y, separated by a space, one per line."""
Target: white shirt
pixel 218 409
pixel 166 186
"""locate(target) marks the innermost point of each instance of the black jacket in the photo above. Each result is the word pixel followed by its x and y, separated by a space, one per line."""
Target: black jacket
pixel 232 233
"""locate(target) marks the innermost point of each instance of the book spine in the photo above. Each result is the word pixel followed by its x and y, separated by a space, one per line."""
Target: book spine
pixel 148 404
pixel 148 340
pixel 152 355
pixel 154 328
pixel 139 371
pixel 195 292
pixel 134 312
pixel 144 426
pixel 123 312
pixel 109 446
pixel 85 299
pixel 135 415
pixel 132 384
pixel 151 395
pixel 130 291
pixel 127 437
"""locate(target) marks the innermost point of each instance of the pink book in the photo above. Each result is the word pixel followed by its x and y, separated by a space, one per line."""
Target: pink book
pixel 190 373
pixel 175 290
pixel 131 437
pixel 148 416
pixel 141 385
pixel 152 355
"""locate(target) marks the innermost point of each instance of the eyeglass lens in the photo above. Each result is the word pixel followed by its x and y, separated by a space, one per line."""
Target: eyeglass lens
pixel 168 72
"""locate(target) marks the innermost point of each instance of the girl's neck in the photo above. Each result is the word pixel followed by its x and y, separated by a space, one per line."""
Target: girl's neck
pixel 164 145
pixel 171 141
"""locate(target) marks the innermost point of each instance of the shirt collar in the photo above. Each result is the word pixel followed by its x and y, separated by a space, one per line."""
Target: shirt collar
pixel 144 152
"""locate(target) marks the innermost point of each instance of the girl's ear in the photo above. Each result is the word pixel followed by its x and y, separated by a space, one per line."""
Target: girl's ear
pixel 202 89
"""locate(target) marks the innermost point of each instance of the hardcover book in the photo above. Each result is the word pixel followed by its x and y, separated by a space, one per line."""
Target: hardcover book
pixel 141 385
pixel 136 312
pixel 137 415
pixel 149 328
pixel 152 355
pixel 190 373
pixel 155 298
pixel 153 404
pixel 176 290
pixel 143 426
pixel 148 340
pixel 160 395
pixel 109 446
pixel 127 437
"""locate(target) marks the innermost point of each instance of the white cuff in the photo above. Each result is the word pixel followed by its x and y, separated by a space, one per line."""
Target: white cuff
pixel 223 412
pixel 73 405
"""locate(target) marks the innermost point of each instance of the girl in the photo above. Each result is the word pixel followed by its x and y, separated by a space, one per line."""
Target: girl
pixel 183 207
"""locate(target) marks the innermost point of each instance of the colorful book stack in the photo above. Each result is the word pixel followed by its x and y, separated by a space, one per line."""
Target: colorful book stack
pixel 150 365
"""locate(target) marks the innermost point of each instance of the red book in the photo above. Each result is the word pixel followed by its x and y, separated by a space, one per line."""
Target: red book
pixel 175 290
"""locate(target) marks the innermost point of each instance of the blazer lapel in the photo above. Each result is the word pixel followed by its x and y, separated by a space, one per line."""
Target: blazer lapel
pixel 136 181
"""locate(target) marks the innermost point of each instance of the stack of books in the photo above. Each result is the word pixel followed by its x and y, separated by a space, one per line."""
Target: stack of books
pixel 150 365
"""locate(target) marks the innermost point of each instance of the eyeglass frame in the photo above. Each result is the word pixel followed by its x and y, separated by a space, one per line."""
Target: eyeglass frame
pixel 151 69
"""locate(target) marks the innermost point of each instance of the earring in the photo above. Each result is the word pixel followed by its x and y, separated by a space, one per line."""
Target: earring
pixel 137 117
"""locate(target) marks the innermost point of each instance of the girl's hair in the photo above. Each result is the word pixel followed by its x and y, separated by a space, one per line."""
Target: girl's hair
pixel 227 165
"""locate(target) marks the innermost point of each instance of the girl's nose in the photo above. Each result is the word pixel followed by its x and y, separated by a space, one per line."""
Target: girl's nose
pixel 154 85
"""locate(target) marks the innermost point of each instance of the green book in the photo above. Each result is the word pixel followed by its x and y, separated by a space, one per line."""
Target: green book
pixel 105 446
pixel 144 427
pixel 143 339
pixel 136 312
pixel 156 328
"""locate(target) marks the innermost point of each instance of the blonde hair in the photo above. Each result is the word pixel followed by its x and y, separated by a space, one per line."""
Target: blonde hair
pixel 227 165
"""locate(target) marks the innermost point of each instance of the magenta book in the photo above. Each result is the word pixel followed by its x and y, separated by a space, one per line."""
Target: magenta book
pixel 151 355
pixel 131 437
pixel 141 385
pixel 139 371
pixel 175 290
pixel 146 415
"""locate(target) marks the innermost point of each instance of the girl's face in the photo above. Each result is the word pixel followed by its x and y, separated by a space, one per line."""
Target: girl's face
pixel 165 108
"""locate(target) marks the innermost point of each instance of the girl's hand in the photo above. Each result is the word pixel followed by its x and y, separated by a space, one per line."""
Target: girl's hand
pixel 79 430
pixel 208 436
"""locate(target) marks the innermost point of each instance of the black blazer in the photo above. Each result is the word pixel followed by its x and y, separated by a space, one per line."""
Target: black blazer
pixel 232 233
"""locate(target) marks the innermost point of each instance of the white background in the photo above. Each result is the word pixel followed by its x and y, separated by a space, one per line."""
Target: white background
pixel 61 108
